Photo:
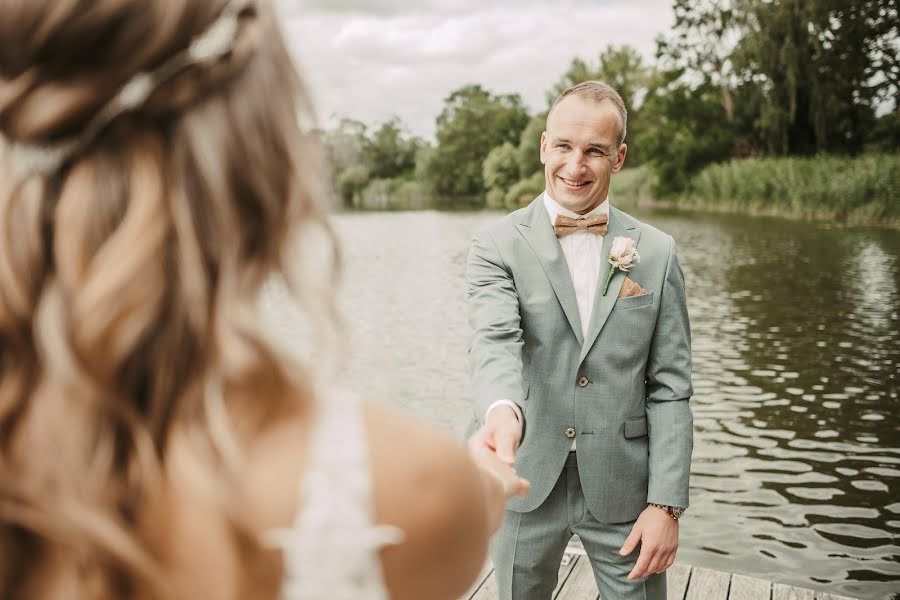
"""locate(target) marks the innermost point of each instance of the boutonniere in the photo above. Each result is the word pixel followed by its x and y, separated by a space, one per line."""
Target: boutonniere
pixel 622 256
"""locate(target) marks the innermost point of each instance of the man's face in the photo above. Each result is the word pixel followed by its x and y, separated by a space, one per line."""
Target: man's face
pixel 580 151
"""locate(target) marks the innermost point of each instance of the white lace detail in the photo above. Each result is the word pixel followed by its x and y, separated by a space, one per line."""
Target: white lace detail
pixel 332 550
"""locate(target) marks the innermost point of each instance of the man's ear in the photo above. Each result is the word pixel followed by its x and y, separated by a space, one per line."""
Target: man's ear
pixel 544 148
pixel 620 158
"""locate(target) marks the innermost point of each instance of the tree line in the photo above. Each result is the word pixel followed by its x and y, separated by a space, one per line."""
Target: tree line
pixel 734 79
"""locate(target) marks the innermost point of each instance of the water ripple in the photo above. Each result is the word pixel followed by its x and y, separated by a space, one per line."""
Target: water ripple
pixel 797 446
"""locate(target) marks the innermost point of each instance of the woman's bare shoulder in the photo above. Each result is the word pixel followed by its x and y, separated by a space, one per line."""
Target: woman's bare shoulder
pixel 426 485
pixel 198 536
pixel 423 483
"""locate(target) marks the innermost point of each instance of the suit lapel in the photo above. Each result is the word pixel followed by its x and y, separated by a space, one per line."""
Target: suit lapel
pixel 603 305
pixel 537 230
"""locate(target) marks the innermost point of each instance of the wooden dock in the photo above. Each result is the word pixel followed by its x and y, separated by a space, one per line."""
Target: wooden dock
pixel 576 582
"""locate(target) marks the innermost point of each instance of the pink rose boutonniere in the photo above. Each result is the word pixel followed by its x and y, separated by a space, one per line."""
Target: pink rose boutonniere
pixel 623 255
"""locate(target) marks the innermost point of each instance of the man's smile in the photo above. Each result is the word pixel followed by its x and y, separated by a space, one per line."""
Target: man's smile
pixel 575 183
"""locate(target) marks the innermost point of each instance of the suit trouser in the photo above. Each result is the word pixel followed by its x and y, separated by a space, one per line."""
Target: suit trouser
pixel 528 549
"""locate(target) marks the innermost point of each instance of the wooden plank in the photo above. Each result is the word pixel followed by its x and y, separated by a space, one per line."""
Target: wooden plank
pixel 486 570
pixel 707 584
pixel 677 578
pixel 576 582
pixel 564 572
pixel 786 592
pixel 749 588
pixel 580 585
pixel 486 585
pixel 488 590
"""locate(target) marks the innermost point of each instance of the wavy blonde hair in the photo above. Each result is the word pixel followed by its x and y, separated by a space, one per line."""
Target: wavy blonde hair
pixel 130 279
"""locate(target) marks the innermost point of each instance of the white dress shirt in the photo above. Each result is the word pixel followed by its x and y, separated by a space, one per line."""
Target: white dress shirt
pixel 583 251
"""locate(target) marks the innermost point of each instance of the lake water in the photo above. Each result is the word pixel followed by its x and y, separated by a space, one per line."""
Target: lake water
pixel 796 339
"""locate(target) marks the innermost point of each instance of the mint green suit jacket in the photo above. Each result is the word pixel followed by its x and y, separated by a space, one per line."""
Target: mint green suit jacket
pixel 632 421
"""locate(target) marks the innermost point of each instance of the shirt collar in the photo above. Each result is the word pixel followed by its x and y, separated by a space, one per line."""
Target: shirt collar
pixel 554 209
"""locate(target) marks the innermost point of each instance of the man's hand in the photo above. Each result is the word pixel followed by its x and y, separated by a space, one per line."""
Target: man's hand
pixel 500 482
pixel 501 434
pixel 657 533
pixel 511 484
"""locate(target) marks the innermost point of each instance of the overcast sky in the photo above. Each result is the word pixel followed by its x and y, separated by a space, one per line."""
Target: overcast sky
pixel 371 59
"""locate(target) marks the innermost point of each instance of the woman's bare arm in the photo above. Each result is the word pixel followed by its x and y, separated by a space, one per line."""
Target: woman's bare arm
pixel 426 484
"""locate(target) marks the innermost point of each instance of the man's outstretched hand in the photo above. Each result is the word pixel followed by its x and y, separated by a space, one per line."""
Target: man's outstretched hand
pixel 501 434
pixel 657 533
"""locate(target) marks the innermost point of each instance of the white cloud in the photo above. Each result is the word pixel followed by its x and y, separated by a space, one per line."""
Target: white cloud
pixel 371 60
pixel 392 7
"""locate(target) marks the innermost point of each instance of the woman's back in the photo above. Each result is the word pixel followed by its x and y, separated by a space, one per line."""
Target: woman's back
pixel 421 533
pixel 156 169
pixel 333 543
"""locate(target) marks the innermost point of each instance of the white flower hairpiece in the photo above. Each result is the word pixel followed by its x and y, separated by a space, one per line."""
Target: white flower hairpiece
pixel 212 44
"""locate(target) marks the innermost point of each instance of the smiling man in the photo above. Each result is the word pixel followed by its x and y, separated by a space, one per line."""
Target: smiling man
pixel 581 370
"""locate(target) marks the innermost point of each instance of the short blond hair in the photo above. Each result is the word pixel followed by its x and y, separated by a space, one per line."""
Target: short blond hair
pixel 597 91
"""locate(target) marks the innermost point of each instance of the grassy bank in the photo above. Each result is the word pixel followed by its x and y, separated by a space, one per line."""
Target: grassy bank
pixel 393 194
pixel 864 190
pixel 630 187
pixel 407 194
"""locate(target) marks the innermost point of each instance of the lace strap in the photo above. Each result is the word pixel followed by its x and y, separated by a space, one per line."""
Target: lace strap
pixel 333 545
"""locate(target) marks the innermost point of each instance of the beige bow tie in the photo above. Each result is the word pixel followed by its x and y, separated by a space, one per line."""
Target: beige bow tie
pixel 566 225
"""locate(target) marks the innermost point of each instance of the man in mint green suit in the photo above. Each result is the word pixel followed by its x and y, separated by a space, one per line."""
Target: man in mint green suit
pixel 582 370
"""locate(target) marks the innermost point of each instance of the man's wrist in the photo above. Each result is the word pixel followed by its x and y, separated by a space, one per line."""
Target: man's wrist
pixel 508 403
pixel 676 512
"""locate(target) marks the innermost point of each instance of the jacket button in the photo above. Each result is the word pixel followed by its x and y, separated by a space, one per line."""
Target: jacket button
pixel 583 381
pixel 570 432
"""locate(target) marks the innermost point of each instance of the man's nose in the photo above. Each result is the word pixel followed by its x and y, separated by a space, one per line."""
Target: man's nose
pixel 576 160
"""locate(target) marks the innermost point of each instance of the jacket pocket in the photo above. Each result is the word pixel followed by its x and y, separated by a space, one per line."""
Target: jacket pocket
pixel 633 301
pixel 635 427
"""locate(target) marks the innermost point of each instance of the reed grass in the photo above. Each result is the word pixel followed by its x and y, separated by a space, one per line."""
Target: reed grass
pixel 632 186
pixel 856 190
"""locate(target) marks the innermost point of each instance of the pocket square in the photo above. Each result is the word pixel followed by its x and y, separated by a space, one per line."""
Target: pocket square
pixel 631 289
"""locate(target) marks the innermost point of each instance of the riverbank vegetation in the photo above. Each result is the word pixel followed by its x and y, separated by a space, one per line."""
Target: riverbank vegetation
pixel 785 107
pixel 864 189
pixel 855 190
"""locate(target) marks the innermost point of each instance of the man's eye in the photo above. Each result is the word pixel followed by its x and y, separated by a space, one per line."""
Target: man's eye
pixel 563 146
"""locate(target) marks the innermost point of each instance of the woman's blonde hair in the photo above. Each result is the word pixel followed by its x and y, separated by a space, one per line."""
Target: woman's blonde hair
pixel 130 275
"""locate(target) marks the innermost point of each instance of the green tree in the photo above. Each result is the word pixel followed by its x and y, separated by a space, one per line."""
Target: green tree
pixel 350 182
pixel 528 152
pixel 886 55
pixel 703 39
pixel 358 157
pixel 390 151
pixel 345 144
pixel 500 171
pixel 472 123
pixel 345 149
pixel 579 70
pixel 620 66
pixel 524 190
pixel 820 66
pixel 685 130
pixel 500 168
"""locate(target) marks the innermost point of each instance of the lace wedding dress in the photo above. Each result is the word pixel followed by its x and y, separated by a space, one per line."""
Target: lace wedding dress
pixel 331 552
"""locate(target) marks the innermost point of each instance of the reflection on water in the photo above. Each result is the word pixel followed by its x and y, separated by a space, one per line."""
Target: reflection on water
pixel 796 350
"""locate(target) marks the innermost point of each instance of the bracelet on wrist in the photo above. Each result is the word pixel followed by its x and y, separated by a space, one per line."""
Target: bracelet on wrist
pixel 676 512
